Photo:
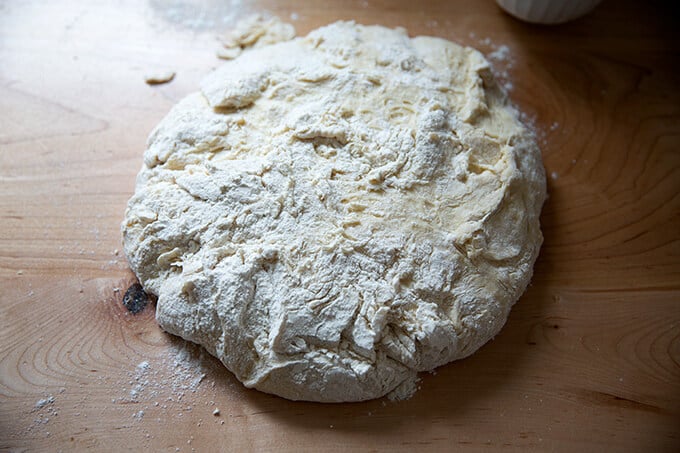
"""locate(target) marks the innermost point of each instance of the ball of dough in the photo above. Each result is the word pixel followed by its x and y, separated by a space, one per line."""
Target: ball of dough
pixel 333 214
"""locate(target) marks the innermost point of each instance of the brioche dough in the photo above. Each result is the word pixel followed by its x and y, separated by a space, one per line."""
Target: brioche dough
pixel 331 215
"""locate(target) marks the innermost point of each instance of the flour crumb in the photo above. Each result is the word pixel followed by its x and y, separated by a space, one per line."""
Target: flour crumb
pixel 138 415
pixel 44 402
pixel 216 412
pixel 554 175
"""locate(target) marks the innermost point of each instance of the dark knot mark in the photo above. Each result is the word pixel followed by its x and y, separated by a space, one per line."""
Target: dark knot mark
pixel 135 299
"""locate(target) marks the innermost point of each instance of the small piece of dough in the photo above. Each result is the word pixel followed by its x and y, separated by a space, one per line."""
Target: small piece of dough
pixel 158 78
pixel 331 215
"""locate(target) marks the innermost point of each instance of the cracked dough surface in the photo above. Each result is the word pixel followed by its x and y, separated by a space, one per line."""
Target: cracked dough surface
pixel 331 215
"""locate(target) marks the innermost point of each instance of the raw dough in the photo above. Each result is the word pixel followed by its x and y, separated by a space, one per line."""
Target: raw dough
pixel 333 214
pixel 159 78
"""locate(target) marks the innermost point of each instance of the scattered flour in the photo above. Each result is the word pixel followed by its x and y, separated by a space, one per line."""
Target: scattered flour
pixel 44 402
pixel 180 371
pixel 502 61
pixel 502 53
pixel 46 410
pixel 530 122
pixel 200 16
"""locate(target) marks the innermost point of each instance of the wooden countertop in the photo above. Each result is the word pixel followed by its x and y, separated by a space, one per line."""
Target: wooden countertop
pixel 589 359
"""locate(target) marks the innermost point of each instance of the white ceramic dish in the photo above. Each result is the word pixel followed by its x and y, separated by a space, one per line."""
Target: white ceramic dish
pixel 547 11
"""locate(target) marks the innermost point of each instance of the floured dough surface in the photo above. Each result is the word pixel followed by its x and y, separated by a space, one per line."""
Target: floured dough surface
pixel 254 31
pixel 331 215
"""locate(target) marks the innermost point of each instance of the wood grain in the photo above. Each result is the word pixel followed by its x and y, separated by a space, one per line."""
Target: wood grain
pixel 589 359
